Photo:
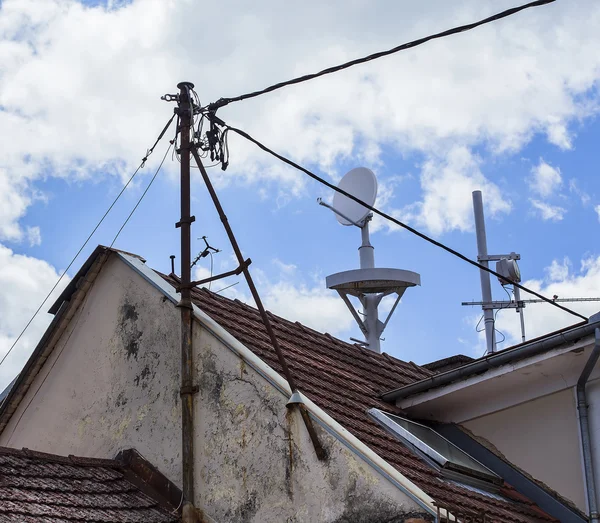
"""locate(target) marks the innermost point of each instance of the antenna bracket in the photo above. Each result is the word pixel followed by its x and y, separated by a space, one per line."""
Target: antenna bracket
pixel 359 224
pixel 236 272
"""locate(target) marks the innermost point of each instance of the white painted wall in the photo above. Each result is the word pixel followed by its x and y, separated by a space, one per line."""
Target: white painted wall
pixel 112 382
pixel 541 437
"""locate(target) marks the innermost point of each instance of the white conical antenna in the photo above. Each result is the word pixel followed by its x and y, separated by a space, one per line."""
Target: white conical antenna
pixel 368 284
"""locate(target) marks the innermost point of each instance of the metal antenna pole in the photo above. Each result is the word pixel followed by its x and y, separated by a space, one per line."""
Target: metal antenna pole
pixel 371 306
pixel 517 292
pixel 486 287
pixel 187 357
pixel 366 251
pixel 370 302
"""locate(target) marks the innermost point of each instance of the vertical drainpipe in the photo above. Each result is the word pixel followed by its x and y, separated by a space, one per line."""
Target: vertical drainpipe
pixel 584 425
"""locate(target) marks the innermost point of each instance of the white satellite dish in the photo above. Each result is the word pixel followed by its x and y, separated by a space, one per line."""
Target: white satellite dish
pixel 359 182
pixel 369 284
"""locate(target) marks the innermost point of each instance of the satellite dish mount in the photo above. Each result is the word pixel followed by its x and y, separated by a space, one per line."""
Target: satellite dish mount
pixel 369 284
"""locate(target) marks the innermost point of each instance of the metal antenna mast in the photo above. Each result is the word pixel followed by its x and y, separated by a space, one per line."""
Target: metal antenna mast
pixel 506 265
pixel 369 284
pixel 482 258
pixel 184 111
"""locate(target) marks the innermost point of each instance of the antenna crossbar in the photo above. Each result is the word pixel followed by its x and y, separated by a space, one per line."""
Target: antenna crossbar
pixel 519 303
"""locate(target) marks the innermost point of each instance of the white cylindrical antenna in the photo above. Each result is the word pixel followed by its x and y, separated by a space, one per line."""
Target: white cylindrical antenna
pixel 482 258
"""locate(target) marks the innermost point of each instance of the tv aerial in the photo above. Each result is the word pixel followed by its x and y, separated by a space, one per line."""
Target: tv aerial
pixel 507 267
pixel 209 249
pixel 369 284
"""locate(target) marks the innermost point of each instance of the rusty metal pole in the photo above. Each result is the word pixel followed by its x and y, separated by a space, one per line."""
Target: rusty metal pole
pixel 187 358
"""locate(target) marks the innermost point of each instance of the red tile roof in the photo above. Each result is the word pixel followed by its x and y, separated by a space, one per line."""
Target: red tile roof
pixel 346 381
pixel 44 488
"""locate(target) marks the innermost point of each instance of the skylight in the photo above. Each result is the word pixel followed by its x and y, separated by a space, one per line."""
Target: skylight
pixel 453 462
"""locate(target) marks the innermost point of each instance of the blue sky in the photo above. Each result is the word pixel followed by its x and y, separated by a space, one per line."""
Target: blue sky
pixel 511 109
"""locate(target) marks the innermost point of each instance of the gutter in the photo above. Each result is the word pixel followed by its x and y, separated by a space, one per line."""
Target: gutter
pixel 495 360
pixel 584 425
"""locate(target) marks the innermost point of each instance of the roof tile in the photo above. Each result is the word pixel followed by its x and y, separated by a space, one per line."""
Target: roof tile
pixel 45 488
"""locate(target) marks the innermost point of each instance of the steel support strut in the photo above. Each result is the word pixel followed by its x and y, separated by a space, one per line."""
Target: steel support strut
pixel 319 449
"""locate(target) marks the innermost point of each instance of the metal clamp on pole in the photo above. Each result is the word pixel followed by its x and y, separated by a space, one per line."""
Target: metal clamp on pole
pixel 194 389
pixel 186 221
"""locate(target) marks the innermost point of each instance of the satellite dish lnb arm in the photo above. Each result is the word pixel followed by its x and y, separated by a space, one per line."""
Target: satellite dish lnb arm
pixel 358 224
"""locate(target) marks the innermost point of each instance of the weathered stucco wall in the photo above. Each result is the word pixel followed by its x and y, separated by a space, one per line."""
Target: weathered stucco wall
pixel 112 381
pixel 542 438
pixel 258 463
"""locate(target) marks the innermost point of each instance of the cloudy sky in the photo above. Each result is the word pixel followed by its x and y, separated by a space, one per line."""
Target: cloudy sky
pixel 510 108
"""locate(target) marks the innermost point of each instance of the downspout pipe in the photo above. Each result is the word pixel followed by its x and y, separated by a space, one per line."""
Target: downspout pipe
pixel 495 360
pixel 584 425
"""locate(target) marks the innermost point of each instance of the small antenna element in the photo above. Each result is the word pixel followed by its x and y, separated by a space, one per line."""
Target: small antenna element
pixel 207 250
pixel 369 284
pixel 172 263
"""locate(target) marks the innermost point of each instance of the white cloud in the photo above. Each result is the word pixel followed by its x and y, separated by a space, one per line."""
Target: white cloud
pixel 558 271
pixel 285 268
pixel 597 209
pixel 34 236
pixel 563 282
pixel 315 307
pixel 24 283
pixel 574 188
pixel 386 192
pixel 80 86
pixel 447 186
pixel 288 296
pixel 548 212
pixel 545 179
pixel 13 205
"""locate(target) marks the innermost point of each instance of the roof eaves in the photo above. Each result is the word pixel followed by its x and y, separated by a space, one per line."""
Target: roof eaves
pixel 73 285
pixel 130 498
pixel 145 476
pixel 455 361
pixel 531 348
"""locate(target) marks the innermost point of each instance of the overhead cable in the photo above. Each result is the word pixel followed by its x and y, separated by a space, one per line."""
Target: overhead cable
pixel 142 196
pixel 409 45
pixel 142 164
pixel 396 221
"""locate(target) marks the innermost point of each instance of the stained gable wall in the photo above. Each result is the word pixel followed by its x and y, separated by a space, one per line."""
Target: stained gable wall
pixel 112 382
